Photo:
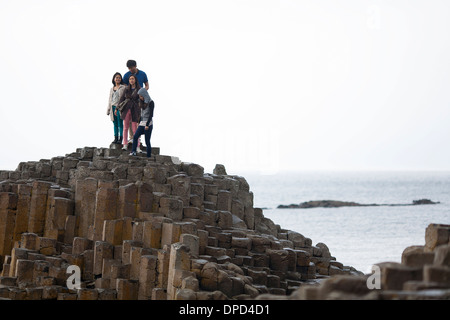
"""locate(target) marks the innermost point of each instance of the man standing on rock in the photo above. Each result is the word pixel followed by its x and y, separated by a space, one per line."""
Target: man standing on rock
pixel 140 75
pixel 142 79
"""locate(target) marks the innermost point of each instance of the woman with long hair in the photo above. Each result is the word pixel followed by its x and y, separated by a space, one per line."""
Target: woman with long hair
pixel 114 96
pixel 130 111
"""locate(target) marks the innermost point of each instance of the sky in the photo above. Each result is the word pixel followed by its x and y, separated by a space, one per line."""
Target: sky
pixel 262 86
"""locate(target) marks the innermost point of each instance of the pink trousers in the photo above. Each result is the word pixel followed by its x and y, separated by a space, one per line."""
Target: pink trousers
pixel 126 125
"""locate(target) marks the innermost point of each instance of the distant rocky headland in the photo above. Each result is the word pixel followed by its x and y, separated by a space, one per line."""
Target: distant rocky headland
pixel 338 204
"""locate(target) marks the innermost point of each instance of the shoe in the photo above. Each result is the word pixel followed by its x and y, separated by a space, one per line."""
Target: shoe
pixel 132 153
pixel 119 140
pixel 125 147
pixel 115 140
pixel 130 141
pixel 139 149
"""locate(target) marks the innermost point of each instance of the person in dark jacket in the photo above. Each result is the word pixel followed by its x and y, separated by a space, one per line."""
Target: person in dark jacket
pixel 141 78
pixel 147 107
pixel 131 110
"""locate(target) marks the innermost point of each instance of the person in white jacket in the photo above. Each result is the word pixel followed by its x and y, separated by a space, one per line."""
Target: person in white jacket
pixel 114 96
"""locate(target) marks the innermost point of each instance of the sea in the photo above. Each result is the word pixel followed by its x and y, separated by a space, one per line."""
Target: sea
pixel 356 236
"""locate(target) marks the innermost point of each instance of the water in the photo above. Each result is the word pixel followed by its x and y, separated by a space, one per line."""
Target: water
pixel 356 236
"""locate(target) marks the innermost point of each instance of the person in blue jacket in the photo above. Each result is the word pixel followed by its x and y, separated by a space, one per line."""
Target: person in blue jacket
pixel 141 76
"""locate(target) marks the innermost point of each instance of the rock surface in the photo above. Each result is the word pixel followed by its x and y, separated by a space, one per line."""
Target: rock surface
pixel 161 228
pixel 140 228
pixel 423 274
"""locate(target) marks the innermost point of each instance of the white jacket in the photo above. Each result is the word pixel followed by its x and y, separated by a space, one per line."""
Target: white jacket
pixel 114 99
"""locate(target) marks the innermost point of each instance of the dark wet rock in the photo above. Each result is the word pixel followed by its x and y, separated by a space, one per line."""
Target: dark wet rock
pixel 423 201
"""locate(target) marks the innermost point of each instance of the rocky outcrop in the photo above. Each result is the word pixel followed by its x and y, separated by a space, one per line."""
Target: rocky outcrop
pixel 423 274
pixel 323 204
pixel 423 201
pixel 338 204
pixel 139 228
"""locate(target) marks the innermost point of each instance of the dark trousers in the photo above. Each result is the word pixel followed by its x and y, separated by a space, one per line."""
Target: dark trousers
pixel 140 131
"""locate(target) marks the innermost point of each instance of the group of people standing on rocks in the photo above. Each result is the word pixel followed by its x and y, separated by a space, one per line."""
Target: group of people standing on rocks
pixel 130 108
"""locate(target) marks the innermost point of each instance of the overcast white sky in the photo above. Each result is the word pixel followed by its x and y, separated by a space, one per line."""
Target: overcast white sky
pixel 255 85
